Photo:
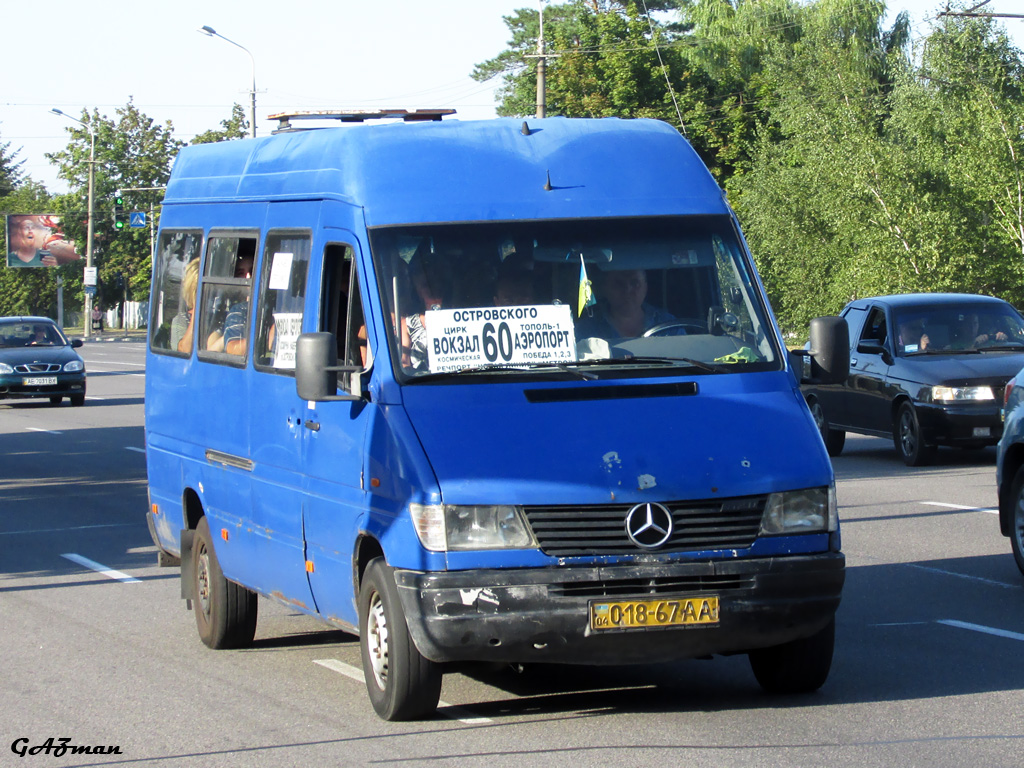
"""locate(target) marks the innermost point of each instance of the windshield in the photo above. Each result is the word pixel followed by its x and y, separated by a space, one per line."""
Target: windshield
pixel 30 334
pixel 958 328
pixel 562 295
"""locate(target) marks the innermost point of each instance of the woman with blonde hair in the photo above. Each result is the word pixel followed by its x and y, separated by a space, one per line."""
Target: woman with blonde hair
pixel 181 325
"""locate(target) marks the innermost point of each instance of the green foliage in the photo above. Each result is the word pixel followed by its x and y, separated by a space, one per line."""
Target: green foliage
pixel 235 127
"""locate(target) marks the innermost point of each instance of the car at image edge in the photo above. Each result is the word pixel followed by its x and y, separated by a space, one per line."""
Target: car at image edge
pixel 926 370
pixel 1010 468
pixel 38 360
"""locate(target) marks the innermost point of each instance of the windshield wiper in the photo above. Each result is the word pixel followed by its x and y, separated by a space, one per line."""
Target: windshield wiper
pixel 672 362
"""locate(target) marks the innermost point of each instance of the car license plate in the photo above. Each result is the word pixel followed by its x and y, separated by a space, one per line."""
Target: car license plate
pixel 630 614
pixel 39 381
pixel 982 432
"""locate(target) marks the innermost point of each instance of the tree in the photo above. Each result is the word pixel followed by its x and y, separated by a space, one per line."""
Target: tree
pixel 235 127
pixel 27 291
pixel 10 169
pixel 134 155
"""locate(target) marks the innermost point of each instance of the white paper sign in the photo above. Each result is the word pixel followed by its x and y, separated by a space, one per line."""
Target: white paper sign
pixel 281 271
pixel 287 327
pixel 462 338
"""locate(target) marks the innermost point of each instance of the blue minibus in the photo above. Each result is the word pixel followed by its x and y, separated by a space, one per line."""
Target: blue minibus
pixel 485 391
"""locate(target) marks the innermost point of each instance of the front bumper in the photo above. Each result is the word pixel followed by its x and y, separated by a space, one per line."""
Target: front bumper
pixel 542 614
pixel 967 424
pixel 12 385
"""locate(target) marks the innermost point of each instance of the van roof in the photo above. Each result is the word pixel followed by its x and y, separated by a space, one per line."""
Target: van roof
pixel 489 170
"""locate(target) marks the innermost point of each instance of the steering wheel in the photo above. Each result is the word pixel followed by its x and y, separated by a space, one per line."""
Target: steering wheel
pixel 660 328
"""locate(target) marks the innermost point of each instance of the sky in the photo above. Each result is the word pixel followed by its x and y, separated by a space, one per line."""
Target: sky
pixel 306 55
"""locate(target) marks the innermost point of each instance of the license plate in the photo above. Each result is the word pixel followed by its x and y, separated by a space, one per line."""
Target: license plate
pixel 630 614
pixel 39 381
pixel 982 432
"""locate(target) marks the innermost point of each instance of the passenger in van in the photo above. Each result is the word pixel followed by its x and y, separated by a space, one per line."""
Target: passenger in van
pixel 232 337
pixel 621 311
pixel 428 281
pixel 181 325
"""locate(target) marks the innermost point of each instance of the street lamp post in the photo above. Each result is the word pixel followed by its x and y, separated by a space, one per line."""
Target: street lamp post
pixel 87 308
pixel 252 94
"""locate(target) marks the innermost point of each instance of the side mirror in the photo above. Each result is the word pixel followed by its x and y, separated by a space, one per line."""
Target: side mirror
pixel 317 369
pixel 873 347
pixel 76 343
pixel 828 351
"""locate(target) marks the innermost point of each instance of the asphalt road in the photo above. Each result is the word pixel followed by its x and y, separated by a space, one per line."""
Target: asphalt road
pixel 99 649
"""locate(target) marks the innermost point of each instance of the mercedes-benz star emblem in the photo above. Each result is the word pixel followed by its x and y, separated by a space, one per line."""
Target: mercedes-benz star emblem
pixel 649 525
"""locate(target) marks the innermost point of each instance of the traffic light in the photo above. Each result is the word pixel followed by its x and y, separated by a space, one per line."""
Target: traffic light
pixel 120 220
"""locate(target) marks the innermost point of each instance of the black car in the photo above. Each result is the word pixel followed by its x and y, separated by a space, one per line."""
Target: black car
pixel 925 369
pixel 38 360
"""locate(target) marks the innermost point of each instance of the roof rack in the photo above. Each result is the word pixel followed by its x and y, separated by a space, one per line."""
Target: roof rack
pixel 357 116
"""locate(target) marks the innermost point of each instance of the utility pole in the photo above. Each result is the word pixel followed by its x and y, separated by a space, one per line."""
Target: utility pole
pixel 542 58
pixel 972 13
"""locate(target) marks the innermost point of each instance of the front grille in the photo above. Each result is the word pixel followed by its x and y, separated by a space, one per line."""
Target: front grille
pixel 600 529
pixel 669 585
pixel 37 368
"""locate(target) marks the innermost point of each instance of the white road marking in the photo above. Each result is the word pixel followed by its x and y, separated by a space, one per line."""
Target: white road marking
pixel 980 628
pixel 454 713
pixel 93 565
pixel 73 528
pixel 990 510
pixel 944 572
pixel 133 448
pixel 47 431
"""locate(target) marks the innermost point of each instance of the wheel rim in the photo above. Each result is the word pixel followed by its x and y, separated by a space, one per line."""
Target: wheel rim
pixel 1018 523
pixel 203 580
pixel 377 640
pixel 819 416
pixel 908 434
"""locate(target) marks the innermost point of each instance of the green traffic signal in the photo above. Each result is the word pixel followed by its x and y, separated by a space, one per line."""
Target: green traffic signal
pixel 119 217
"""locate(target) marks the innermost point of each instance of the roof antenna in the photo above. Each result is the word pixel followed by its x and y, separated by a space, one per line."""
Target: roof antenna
pixel 547 184
pixel 526 129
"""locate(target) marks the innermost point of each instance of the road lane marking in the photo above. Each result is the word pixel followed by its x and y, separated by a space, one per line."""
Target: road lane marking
pixel 443 708
pixel 40 429
pixel 133 448
pixel 93 565
pixel 990 510
pixel 980 628
pixel 982 579
pixel 72 528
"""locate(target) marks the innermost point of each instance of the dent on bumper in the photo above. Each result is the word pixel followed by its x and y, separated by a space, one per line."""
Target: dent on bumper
pixel 542 615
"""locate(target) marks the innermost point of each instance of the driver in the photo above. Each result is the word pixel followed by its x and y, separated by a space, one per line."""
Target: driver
pixel 621 311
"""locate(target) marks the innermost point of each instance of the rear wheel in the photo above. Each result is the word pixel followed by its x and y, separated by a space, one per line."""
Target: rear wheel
pixel 225 611
pixel 834 439
pixel 909 440
pixel 401 683
pixel 800 666
pixel 1017 519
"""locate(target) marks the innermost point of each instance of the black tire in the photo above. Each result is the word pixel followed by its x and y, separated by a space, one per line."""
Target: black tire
pixel 800 666
pixel 907 437
pixel 1017 519
pixel 77 400
pixel 55 400
pixel 401 683
pixel 225 611
pixel 834 439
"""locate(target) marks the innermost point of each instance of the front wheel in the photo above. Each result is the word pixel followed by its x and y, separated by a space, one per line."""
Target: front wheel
pixel 55 400
pixel 401 683
pixel 225 611
pixel 909 440
pixel 1017 519
pixel 834 439
pixel 799 666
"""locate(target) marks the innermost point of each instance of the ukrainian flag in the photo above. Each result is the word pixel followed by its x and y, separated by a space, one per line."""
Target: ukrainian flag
pixel 586 298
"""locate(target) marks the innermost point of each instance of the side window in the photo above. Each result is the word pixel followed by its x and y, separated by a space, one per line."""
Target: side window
pixel 875 327
pixel 226 290
pixel 174 292
pixel 855 317
pixel 282 300
pixel 342 312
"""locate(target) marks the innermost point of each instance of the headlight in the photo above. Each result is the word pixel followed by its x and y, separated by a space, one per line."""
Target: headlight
pixel 812 510
pixel 960 394
pixel 450 528
pixel 5 368
pixel 73 366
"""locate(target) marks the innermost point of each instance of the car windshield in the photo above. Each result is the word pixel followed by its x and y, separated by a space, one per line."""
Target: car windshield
pixel 30 334
pixel 958 328
pixel 561 296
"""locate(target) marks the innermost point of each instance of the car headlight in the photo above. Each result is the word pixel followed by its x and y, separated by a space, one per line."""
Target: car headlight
pixel 812 510
pixel 5 368
pixel 74 366
pixel 445 527
pixel 960 394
